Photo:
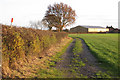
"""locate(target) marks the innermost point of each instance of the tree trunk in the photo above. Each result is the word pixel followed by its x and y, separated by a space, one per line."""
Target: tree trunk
pixel 50 28
pixel 61 28
pixel 58 29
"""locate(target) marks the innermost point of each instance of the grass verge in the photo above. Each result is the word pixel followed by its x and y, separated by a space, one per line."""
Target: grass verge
pixel 50 71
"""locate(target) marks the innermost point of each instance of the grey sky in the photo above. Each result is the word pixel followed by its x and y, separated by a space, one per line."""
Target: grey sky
pixel 89 12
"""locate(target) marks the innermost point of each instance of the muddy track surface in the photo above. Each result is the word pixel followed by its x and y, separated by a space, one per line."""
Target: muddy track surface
pixel 66 58
pixel 91 65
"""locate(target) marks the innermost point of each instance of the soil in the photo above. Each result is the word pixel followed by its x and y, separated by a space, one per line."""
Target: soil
pixel 63 65
pixel 91 65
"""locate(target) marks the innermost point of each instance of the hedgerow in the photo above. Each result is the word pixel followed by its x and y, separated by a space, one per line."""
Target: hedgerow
pixel 18 43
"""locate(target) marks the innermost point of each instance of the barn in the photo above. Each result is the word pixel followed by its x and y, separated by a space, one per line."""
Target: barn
pixel 88 29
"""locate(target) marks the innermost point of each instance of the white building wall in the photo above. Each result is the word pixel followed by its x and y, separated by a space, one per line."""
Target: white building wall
pixel 98 29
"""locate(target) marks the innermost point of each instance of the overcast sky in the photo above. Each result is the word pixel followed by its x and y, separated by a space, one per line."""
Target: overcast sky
pixel 89 12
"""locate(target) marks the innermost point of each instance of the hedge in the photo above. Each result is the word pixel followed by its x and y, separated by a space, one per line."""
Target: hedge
pixel 20 42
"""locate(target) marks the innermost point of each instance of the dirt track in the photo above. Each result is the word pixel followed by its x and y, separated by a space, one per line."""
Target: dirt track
pixel 66 61
pixel 91 64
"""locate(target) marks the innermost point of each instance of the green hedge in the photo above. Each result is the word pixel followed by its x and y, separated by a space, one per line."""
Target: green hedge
pixel 20 42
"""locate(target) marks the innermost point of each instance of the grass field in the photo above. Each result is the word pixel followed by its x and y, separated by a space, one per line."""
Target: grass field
pixel 105 48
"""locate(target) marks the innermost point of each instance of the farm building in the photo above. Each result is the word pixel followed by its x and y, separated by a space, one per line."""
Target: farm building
pixel 88 29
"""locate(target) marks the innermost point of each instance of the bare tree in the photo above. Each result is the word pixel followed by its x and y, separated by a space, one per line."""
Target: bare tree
pixel 47 23
pixel 36 25
pixel 59 16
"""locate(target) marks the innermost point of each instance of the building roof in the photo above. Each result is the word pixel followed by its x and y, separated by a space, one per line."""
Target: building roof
pixel 91 26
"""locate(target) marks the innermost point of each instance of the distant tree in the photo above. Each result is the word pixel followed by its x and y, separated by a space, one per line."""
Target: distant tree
pixel 36 25
pixel 47 23
pixel 66 30
pixel 111 26
pixel 59 16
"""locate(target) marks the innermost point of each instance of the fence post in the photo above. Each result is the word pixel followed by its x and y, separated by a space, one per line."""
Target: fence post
pixel 11 21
